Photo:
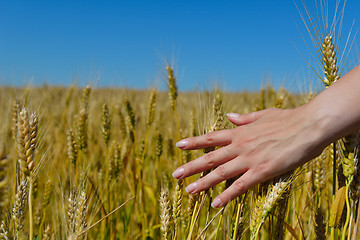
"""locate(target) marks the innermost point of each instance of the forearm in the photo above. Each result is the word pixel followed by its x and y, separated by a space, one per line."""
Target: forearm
pixel 336 111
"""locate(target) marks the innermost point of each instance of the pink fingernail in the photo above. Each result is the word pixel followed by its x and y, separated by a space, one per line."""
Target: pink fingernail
pixel 217 203
pixel 178 173
pixel 182 143
pixel 233 115
pixel 191 187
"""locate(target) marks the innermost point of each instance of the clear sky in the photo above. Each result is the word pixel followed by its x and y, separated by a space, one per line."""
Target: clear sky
pixel 234 44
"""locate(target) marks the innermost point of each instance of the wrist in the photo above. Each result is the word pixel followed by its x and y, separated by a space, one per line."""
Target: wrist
pixel 325 123
pixel 314 130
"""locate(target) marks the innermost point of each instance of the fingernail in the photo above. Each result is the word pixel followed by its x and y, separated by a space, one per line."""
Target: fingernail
pixel 178 173
pixel 233 115
pixel 217 203
pixel 181 143
pixel 191 187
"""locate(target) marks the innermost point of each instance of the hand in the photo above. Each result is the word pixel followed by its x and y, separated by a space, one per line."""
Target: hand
pixel 265 144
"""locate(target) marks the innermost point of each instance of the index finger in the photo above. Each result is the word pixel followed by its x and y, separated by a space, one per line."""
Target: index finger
pixel 211 139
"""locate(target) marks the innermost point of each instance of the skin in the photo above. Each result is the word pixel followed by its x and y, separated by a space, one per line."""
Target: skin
pixel 271 142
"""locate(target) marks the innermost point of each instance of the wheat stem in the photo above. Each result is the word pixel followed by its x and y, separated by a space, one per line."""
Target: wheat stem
pixel 238 207
pixel 348 208
pixel 31 232
pixel 106 216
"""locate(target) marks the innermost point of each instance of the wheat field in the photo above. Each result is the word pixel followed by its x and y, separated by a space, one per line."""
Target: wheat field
pixel 90 163
pixel 83 162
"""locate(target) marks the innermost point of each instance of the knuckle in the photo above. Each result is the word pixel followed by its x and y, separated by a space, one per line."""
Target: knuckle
pixel 239 186
pixel 227 151
pixel 210 137
pixel 272 109
pixel 263 168
pixel 209 160
pixel 221 172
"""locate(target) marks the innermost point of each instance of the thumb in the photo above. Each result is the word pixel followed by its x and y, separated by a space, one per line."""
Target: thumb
pixel 243 119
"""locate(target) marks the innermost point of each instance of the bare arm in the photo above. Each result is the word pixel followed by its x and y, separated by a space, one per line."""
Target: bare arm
pixel 271 142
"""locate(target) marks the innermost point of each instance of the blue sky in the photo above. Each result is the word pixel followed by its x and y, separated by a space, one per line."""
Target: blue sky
pixel 234 44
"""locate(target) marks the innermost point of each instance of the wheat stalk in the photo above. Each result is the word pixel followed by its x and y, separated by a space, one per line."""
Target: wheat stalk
pixel 122 124
pixel 113 161
pixel 81 130
pixel 18 212
pixel 47 233
pixel 15 114
pixel 72 148
pixel 81 214
pixel 320 226
pixel 152 106
pixel 106 124
pixel 27 127
pixel 27 140
pixel 82 121
pixel 173 90
pixel 47 194
pixel 4 231
pixel 71 210
pixel 267 204
pixel 130 119
pixel 177 204
pixel 165 215
pixel 329 61
pixel 158 145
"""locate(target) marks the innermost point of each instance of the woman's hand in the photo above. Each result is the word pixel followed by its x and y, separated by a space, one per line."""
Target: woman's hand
pixel 265 144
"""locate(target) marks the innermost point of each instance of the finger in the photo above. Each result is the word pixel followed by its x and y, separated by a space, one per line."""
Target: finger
pixel 242 119
pixel 242 184
pixel 225 171
pixel 205 162
pixel 211 139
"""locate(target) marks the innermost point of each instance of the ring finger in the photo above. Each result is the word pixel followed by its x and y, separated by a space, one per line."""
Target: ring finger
pixel 225 171
pixel 205 162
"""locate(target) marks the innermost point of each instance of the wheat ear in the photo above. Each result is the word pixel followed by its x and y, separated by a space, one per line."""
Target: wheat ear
pixel 173 90
pixel 18 212
pixel 268 204
pixel 4 230
pixel 27 140
pixel 15 114
pixel 130 120
pixel 81 127
pixel 81 214
pixel 47 194
pixel 165 215
pixel 72 148
pixel 122 124
pixel 70 213
pixel 47 233
pixel 329 61
pixel 152 106
pixel 178 196
pixel 106 124
pixel 27 128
